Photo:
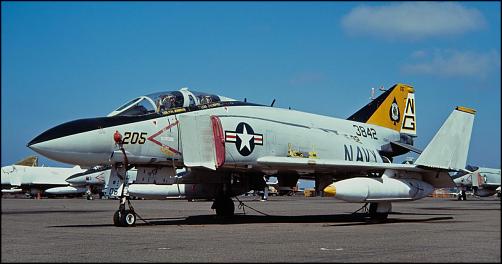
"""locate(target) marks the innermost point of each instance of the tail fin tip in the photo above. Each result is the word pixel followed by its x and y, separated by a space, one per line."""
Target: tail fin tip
pixel 394 109
pixel 449 147
pixel 466 109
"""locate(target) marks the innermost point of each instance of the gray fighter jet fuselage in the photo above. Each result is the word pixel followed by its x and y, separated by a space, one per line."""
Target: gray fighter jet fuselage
pixel 228 146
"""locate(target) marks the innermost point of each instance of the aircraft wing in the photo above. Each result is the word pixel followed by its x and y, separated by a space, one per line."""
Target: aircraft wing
pixel 438 178
pixel 329 165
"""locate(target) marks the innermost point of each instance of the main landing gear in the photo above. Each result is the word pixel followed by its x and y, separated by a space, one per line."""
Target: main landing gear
pixel 224 206
pixel 88 194
pixel 462 196
pixel 380 211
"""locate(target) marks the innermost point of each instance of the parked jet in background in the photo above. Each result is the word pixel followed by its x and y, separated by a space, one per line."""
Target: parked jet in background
pixel 31 161
pixel 51 181
pixel 228 146
pixel 483 181
pixel 35 181
pixel 94 179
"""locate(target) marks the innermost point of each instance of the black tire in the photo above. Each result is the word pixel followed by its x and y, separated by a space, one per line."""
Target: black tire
pixel 224 206
pixel 116 218
pixel 376 216
pixel 128 218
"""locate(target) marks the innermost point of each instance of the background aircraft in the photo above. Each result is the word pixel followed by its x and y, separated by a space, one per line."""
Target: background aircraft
pixel 94 179
pixel 36 181
pixel 228 146
pixel 483 182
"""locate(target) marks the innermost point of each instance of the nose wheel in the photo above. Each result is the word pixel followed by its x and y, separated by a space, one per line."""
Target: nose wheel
pixel 124 218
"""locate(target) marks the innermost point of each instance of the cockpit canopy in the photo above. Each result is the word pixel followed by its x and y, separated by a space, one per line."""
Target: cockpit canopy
pixel 159 102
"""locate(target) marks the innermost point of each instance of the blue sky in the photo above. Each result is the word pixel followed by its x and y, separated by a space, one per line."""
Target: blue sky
pixel 67 60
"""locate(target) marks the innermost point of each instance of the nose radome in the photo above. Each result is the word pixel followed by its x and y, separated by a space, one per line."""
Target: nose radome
pixel 44 147
pixel 75 142
pixel 67 129
pixel 76 179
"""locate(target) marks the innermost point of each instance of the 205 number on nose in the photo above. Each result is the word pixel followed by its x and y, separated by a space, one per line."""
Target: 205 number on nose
pixel 134 138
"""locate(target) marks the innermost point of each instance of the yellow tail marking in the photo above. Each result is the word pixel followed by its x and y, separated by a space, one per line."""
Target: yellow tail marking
pixel 391 113
pixel 466 109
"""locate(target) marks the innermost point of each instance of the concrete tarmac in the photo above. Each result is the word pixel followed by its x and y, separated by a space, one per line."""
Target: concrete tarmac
pixel 295 229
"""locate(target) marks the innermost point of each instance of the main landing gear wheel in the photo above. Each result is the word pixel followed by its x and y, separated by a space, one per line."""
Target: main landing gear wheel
pixel 374 215
pixel 224 206
pixel 124 218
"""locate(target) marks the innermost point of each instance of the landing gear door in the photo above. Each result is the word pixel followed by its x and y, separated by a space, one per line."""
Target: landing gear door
pixel 115 183
pixel 202 141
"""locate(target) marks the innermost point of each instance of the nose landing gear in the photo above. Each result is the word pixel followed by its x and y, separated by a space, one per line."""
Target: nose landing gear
pixel 124 217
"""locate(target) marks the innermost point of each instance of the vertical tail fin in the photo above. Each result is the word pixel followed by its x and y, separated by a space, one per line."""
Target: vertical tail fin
pixel 31 161
pixel 394 109
pixel 449 147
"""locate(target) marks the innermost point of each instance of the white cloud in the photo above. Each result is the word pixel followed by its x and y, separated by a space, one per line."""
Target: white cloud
pixel 413 20
pixel 453 63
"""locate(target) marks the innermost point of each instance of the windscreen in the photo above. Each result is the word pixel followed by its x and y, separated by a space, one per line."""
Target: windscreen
pixel 143 107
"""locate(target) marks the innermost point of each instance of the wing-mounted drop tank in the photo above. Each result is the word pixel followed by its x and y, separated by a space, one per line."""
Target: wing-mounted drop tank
pixel 385 188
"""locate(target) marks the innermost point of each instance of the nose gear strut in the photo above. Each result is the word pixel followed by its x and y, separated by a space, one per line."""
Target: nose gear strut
pixel 123 216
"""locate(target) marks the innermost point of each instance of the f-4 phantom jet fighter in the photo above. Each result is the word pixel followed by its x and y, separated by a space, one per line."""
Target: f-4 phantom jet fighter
pixel 27 177
pixel 484 182
pixel 228 146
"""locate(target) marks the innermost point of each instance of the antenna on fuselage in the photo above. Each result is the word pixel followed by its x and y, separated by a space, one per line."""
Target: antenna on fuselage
pixel 272 104
pixel 382 89
pixel 372 97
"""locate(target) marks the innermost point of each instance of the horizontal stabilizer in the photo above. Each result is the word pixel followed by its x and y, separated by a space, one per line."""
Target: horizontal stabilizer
pixel 449 147
pixel 406 146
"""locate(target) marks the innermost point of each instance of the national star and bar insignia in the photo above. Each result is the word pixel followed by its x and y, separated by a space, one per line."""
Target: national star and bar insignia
pixel 244 138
